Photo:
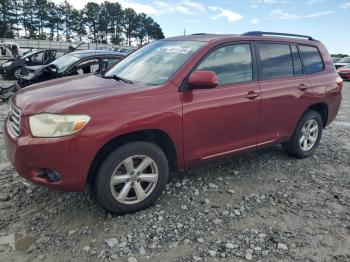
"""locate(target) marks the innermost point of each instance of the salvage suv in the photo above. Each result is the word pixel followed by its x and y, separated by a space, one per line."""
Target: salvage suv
pixel 168 106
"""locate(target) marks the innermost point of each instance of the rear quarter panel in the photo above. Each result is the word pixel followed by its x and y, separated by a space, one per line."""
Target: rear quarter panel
pixel 325 86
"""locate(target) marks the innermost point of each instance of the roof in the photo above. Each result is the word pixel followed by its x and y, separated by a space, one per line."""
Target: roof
pixel 86 53
pixel 256 35
pixel 201 37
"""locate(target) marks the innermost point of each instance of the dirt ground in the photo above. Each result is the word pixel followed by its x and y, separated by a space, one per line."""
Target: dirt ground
pixel 259 206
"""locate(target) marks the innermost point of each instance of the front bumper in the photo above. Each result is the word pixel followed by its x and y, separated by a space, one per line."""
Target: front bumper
pixel 5 72
pixel 69 156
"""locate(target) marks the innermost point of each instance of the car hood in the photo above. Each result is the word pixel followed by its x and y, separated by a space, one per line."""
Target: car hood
pixel 9 60
pixel 34 68
pixel 65 95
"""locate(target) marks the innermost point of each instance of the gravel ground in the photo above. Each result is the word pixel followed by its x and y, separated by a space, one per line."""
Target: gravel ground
pixel 259 206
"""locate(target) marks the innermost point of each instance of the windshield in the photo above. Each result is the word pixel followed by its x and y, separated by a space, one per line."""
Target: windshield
pixel 156 62
pixel 345 60
pixel 65 62
pixel 29 54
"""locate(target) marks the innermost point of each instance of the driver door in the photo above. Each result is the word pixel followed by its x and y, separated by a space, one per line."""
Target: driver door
pixel 225 119
pixel 36 59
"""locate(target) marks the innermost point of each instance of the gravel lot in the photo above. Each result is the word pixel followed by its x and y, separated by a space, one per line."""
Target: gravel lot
pixel 261 205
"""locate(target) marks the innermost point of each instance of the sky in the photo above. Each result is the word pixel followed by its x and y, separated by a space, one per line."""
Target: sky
pixel 325 20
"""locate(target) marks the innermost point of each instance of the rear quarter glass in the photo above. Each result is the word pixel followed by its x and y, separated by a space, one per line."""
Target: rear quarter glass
pixel 312 59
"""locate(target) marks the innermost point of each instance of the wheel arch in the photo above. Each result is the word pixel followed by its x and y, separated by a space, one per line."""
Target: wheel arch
pixel 157 136
pixel 322 109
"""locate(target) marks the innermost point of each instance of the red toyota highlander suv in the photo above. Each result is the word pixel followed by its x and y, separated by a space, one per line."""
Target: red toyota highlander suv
pixel 170 105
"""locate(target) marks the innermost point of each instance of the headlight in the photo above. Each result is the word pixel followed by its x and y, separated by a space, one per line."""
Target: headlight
pixel 6 64
pixel 56 125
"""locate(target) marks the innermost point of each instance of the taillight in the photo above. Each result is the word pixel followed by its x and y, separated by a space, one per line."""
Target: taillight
pixel 340 83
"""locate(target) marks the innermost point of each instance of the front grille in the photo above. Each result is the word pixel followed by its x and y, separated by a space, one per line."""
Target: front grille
pixel 15 119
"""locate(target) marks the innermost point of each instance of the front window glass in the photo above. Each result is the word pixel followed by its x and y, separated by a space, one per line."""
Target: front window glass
pixel 37 58
pixel 156 62
pixel 28 54
pixel 64 62
pixel 232 64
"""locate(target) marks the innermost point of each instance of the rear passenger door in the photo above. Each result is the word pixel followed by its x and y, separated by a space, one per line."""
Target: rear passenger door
pixel 285 90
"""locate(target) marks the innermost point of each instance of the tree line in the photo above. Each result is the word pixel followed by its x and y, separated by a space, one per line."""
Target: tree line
pixel 104 23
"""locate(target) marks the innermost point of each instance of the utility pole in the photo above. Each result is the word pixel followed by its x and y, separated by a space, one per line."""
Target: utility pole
pixel 185 31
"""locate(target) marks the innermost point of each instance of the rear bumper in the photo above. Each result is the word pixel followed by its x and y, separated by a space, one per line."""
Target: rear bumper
pixel 66 156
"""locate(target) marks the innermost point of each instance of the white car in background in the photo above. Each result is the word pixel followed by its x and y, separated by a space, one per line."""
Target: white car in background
pixel 9 50
pixel 343 62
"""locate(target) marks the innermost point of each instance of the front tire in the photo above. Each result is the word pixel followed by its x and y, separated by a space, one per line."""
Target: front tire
pixel 131 178
pixel 306 136
pixel 17 73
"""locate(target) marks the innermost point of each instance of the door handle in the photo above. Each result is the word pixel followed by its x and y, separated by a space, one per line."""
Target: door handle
pixel 303 87
pixel 252 95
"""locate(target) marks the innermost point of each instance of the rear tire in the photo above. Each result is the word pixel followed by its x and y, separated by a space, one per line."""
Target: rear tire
pixel 131 178
pixel 306 136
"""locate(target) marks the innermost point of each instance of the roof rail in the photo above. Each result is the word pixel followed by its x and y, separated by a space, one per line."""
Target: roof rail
pixel 262 33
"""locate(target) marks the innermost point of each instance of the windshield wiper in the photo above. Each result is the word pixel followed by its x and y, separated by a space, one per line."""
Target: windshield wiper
pixel 118 78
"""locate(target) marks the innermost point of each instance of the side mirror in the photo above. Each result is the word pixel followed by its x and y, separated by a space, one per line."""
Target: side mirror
pixel 203 80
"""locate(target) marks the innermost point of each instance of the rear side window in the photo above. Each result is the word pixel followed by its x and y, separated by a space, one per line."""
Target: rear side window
pixel 232 64
pixel 275 61
pixel 312 59
pixel 298 68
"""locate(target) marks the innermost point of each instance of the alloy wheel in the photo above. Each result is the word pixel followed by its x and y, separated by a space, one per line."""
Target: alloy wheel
pixel 134 179
pixel 17 73
pixel 309 135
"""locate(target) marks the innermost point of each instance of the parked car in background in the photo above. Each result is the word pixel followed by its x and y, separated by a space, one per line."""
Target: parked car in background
pixel 124 50
pixel 342 62
pixel 12 68
pixel 9 50
pixel 170 105
pixel 344 72
pixel 336 59
pixel 75 63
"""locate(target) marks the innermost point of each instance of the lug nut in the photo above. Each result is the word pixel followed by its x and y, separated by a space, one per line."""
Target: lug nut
pixel 138 173
pixel 132 184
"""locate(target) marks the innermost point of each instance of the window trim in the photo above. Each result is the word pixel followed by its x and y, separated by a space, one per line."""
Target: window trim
pixel 184 86
pixel 259 59
pixel 302 60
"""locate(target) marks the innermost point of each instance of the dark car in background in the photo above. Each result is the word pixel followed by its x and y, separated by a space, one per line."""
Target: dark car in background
pixel 12 68
pixel 75 63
